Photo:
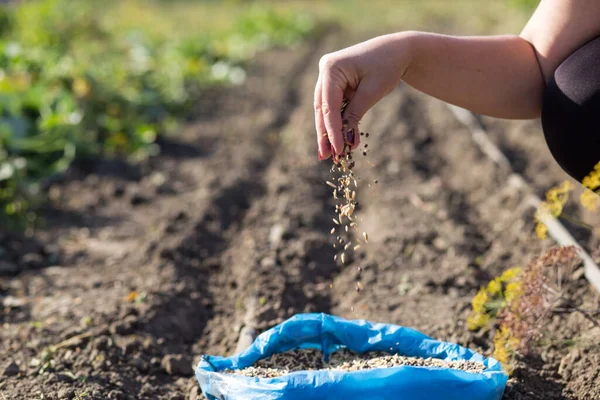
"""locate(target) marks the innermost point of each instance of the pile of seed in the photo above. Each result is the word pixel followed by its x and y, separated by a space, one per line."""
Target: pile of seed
pixel 344 360
pixel 345 183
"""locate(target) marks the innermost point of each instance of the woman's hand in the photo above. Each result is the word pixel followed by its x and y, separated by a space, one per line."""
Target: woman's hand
pixel 363 74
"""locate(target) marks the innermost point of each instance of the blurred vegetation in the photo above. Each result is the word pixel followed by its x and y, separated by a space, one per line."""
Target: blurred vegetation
pixel 107 76
pixel 104 79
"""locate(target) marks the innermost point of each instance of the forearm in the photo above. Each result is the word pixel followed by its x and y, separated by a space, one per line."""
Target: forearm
pixel 497 76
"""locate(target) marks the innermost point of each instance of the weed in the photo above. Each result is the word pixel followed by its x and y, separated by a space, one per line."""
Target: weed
pixel 516 305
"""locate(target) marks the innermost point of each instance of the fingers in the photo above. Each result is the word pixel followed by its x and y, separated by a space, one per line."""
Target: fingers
pixel 361 102
pixel 331 104
pixel 323 144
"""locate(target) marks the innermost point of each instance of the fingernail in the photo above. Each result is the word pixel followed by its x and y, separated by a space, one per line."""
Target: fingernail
pixel 320 156
pixel 350 136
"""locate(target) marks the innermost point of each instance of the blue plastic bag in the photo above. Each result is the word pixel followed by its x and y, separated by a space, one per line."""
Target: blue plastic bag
pixel 329 333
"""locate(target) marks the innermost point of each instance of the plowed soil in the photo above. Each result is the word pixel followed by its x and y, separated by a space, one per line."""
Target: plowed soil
pixel 142 269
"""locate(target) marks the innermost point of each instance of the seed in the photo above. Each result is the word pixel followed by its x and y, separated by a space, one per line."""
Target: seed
pixel 347 245
pixel 366 134
pixel 331 184
pixel 346 227
pixel 330 285
pixel 366 237
pixel 364 153
pixel 376 181
pixel 362 133
pixel 366 145
pixel 356 248
pixel 336 221
pixel 332 231
pixel 343 258
pixel 359 269
pixel 335 257
pixel 359 286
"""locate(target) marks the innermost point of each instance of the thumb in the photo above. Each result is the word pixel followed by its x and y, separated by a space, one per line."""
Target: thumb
pixel 358 106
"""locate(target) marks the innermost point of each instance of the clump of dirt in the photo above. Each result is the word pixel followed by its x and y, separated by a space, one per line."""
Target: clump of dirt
pixel 344 360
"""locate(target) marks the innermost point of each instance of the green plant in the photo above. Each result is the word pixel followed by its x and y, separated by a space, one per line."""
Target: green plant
pixel 75 85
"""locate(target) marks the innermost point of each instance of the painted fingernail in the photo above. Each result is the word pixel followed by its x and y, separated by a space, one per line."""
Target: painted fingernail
pixel 350 136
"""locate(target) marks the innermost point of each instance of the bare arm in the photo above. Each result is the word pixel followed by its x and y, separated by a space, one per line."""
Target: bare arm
pixel 500 76
pixel 495 75
pixel 503 76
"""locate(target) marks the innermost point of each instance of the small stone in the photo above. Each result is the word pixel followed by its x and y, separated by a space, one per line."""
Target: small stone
pixel 66 393
pixel 194 393
pixel 155 361
pixel 102 343
pixel 116 395
pixel 267 262
pixel 124 327
pixel 33 260
pixel 177 365
pixel 275 235
pixel 11 369
pixel 139 363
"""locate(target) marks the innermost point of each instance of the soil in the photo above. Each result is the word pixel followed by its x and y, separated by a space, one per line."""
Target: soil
pixel 139 270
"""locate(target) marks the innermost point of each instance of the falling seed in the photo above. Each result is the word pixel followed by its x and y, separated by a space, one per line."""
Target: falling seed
pixel 346 228
pixel 331 184
pixel 366 237
pixel 347 245
pixel 336 221
pixel 356 248
pixel 343 258
pixel 332 231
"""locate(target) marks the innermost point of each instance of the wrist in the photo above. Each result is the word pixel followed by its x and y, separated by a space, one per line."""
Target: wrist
pixel 405 50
